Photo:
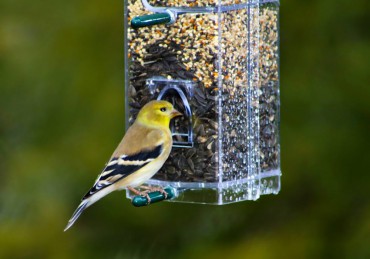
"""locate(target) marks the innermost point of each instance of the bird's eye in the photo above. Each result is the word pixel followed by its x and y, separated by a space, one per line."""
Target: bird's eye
pixel 163 109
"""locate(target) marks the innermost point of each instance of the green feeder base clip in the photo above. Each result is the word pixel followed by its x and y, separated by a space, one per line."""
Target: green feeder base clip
pixel 140 201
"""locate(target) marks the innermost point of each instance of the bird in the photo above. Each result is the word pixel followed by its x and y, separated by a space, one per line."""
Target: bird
pixel 141 153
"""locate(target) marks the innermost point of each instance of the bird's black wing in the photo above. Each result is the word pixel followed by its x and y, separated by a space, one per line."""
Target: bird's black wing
pixel 120 167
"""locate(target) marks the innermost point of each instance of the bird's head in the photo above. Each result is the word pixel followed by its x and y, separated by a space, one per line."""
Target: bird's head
pixel 157 113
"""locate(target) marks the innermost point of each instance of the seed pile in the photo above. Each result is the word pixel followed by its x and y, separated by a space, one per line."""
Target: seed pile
pixel 188 50
pixel 193 3
pixel 184 50
pixel 269 89
pixel 183 3
pixel 234 94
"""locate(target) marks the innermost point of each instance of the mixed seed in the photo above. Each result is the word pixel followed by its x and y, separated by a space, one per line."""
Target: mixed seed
pixel 269 99
pixel 223 90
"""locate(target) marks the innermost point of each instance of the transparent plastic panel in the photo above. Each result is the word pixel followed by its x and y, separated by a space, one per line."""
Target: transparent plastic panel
pixel 220 69
pixel 194 6
pixel 185 51
pixel 194 3
pixel 240 133
pixel 269 98
pixel 235 94
pixel 182 3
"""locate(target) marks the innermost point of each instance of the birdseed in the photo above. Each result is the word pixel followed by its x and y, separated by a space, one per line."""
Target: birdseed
pixel 231 60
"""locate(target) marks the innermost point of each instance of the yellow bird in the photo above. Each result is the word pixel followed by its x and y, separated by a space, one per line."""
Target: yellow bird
pixel 141 153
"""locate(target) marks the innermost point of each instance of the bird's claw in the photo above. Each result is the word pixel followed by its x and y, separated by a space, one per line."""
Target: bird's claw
pixel 153 195
pixel 146 195
pixel 141 193
pixel 155 189
pixel 161 191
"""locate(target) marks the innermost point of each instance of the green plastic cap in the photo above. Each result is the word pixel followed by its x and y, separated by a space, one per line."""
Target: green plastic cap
pixel 140 201
pixel 148 20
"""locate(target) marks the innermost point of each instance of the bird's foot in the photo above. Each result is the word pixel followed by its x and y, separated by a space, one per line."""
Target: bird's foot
pixel 155 189
pixel 141 193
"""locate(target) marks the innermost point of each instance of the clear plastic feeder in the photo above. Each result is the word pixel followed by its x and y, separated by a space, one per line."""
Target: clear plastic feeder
pixel 218 63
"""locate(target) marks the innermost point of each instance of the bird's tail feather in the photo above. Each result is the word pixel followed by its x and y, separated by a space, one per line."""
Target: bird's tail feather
pixel 87 203
pixel 83 205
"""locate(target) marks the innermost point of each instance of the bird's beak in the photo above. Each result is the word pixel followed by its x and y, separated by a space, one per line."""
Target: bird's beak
pixel 175 113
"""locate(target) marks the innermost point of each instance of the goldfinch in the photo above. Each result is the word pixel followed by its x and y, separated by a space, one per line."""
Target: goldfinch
pixel 141 153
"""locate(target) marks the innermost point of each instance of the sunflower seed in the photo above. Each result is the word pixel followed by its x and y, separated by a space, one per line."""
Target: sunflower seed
pixel 188 50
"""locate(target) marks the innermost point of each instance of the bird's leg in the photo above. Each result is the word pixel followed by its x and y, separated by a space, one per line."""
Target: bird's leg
pixel 137 192
pixel 155 189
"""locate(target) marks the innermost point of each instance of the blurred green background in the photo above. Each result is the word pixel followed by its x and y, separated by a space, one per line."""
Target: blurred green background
pixel 61 116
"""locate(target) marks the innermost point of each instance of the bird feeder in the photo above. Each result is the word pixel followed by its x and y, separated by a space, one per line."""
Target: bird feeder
pixel 217 62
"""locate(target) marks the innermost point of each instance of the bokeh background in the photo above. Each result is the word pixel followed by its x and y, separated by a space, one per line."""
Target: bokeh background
pixel 62 114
